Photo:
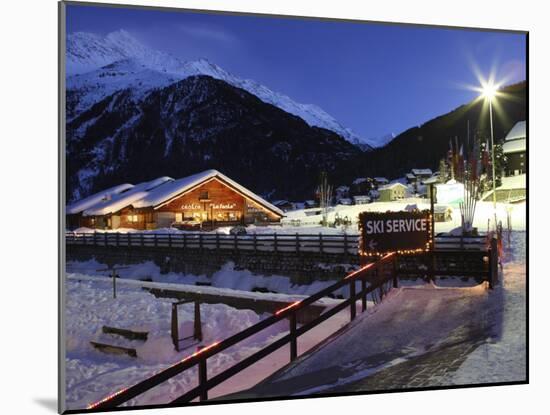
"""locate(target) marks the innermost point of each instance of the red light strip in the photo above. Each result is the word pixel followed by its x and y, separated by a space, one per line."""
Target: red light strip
pixel 107 398
pixel 368 266
pixel 114 395
pixel 294 304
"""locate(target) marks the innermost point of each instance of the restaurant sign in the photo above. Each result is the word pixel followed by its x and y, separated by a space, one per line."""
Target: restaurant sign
pixel 214 206
pixel 402 232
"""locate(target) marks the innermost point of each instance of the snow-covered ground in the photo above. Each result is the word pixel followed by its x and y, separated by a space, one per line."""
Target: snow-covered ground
pixel 92 375
pixel 504 358
pixel 422 336
pixel 307 221
pixel 226 278
pixel 484 212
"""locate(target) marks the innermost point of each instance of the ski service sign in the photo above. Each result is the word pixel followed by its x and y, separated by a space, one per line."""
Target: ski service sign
pixel 402 232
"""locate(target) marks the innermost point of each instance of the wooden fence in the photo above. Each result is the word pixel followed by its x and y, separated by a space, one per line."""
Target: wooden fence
pixel 275 242
pixel 375 278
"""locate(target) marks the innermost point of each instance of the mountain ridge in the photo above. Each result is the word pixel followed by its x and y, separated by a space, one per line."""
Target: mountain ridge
pixel 105 57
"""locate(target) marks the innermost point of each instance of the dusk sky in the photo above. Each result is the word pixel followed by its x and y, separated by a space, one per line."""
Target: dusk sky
pixel 373 78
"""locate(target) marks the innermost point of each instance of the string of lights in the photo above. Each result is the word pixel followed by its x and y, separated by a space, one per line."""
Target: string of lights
pixel 114 395
pixel 364 252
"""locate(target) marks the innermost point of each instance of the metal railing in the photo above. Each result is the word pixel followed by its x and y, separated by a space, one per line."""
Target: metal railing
pixel 274 242
pixel 380 275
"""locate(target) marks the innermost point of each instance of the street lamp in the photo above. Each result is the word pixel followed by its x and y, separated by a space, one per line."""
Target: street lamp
pixel 489 92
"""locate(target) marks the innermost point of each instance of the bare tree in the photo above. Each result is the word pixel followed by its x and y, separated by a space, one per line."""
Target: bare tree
pixel 324 192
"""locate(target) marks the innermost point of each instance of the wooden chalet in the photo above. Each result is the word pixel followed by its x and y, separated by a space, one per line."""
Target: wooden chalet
pixel 203 201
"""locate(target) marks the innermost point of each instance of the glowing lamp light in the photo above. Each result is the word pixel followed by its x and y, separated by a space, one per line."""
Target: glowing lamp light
pixel 489 90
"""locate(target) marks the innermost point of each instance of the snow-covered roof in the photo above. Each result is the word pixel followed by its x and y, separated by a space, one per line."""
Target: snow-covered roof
pixel 421 172
pixel 342 189
pixel 392 185
pixel 381 180
pixel 83 204
pixel 517 131
pixel 281 202
pixel 358 197
pixel 360 180
pixel 410 176
pixel 431 180
pixel 401 180
pixel 514 146
pixel 167 192
pixel 121 200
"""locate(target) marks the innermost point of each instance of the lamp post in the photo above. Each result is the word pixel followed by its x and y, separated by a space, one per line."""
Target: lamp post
pixel 489 91
pixel 493 159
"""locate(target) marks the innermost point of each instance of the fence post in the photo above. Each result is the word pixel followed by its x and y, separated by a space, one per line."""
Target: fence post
pixel 155 238
pixel 141 240
pixel 352 299
pixel 203 380
pixel 200 241
pixel 275 242
pixel 174 325
pixel 197 331
pixel 235 242
pixel 169 240
pixel 255 242
pixel 114 283
pixel 117 239
pixel 217 240
pixel 184 246
pixel 321 242
pixel 297 243
pixel 346 244
pixel 293 338
pixel 95 238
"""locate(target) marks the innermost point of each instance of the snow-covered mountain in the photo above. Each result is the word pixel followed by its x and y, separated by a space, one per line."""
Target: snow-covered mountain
pixel 99 66
pixel 382 140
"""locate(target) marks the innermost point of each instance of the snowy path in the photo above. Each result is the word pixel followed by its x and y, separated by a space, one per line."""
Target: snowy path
pixel 424 336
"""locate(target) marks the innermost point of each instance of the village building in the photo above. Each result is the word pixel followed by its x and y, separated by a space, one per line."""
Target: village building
pixel 361 199
pixel 361 185
pixel 284 205
pixel 341 192
pixel 391 192
pixel 206 200
pixel 410 178
pixel 381 181
pixel 515 150
pixel 421 174
pixel 345 201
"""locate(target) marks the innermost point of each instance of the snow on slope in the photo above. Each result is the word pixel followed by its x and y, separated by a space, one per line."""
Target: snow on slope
pixel 99 66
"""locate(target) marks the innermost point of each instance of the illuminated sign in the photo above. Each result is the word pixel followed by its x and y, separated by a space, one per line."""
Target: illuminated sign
pixel 215 206
pixel 402 232
pixel 191 206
